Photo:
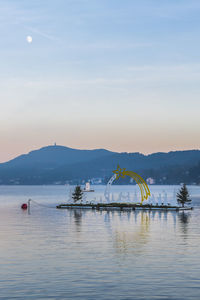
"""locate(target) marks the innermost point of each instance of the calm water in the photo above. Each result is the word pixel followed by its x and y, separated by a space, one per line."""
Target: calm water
pixel 77 254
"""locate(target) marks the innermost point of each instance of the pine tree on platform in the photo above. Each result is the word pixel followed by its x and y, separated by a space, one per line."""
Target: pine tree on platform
pixel 77 194
pixel 183 195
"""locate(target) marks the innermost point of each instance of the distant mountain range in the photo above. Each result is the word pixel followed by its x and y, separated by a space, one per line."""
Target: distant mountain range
pixel 60 165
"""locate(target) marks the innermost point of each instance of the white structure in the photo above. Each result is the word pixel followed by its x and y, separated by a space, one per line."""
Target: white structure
pixel 107 190
pixel 87 188
pixel 150 180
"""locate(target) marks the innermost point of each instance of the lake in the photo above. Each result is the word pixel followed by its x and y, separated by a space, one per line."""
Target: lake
pixel 86 254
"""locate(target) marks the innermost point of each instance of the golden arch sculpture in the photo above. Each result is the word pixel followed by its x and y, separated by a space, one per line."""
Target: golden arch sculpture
pixel 144 189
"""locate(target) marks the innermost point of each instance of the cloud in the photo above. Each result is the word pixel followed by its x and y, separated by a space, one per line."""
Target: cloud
pixel 183 73
pixel 186 73
pixel 107 45
pixel 41 33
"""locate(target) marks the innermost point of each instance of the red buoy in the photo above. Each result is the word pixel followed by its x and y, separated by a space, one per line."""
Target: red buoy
pixel 24 206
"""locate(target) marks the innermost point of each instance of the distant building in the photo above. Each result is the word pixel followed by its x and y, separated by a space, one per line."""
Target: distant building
pixel 150 180
pixel 96 180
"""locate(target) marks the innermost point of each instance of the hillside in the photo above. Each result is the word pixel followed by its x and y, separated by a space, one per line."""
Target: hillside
pixel 59 164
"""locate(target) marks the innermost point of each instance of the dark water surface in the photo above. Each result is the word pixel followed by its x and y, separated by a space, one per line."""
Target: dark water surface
pixel 83 254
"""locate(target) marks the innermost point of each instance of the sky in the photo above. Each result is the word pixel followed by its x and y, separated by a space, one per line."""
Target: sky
pixel 121 75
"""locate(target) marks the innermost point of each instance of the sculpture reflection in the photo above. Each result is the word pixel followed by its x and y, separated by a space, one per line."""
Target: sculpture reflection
pixel 134 240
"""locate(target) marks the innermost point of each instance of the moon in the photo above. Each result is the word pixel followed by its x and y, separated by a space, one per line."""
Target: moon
pixel 29 39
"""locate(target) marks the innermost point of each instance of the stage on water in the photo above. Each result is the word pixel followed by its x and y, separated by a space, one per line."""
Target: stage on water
pixel 122 206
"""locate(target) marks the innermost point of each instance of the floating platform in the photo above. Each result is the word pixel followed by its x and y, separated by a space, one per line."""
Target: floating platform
pixel 122 206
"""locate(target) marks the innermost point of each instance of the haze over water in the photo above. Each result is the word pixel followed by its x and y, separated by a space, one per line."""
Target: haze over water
pixel 85 254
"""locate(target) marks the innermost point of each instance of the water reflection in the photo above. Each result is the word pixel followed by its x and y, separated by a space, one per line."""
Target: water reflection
pixel 184 218
pixel 135 237
pixel 77 214
pixel 130 230
pixel 138 254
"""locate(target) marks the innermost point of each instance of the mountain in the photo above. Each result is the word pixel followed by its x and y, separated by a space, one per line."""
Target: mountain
pixel 53 156
pixel 59 164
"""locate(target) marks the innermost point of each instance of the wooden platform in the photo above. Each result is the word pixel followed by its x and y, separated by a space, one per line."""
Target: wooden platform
pixel 122 206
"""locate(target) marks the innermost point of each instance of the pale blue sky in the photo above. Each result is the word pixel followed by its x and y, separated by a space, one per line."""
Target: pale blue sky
pixel 122 75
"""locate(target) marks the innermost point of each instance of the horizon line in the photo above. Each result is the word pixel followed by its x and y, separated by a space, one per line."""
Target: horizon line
pixel 92 149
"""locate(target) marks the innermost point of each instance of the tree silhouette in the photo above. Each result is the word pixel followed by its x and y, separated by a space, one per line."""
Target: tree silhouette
pixel 183 195
pixel 77 194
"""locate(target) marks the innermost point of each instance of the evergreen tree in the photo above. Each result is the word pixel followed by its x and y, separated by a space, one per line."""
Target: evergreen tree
pixel 77 194
pixel 183 195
